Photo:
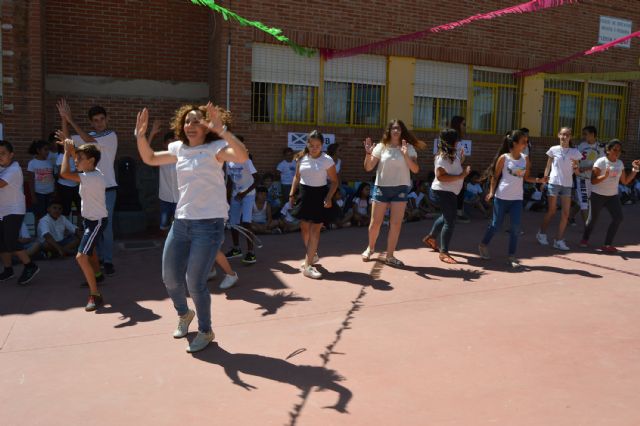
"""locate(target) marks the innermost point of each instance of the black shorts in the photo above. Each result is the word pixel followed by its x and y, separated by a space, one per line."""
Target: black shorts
pixel 92 234
pixel 9 233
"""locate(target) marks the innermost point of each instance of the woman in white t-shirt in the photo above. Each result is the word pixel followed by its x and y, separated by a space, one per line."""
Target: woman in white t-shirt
pixel 509 171
pixel 394 159
pixel 203 144
pixel 315 170
pixel 607 172
pixel 561 165
pixel 444 193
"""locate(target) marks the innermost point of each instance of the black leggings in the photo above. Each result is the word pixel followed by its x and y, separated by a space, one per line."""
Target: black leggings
pixel 596 203
pixel 68 195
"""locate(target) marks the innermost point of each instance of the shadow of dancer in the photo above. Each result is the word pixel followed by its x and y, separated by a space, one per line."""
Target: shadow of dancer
pixel 131 311
pixel 269 303
pixel 304 377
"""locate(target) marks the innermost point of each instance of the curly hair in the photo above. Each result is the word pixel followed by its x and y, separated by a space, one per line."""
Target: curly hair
pixel 404 134
pixel 177 124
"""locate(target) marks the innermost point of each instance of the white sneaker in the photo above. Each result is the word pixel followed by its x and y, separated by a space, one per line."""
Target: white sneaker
pixel 229 281
pixel 201 341
pixel 366 255
pixel 311 272
pixel 212 274
pixel 316 259
pixel 183 324
pixel 561 245
pixel 542 239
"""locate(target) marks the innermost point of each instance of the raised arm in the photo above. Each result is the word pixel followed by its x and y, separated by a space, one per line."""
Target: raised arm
pixel 69 152
pixel 147 154
pixel 370 162
pixel 65 114
pixel 235 150
pixel 625 178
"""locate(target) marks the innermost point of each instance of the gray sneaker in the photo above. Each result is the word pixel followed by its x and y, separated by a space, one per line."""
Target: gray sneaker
pixel 201 341
pixel 183 324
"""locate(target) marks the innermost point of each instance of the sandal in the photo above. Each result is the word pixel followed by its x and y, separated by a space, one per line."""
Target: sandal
pixel 393 261
pixel 446 258
pixel 431 242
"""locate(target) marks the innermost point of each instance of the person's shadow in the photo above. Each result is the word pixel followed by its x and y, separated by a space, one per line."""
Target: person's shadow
pixel 269 303
pixel 304 377
pixel 131 311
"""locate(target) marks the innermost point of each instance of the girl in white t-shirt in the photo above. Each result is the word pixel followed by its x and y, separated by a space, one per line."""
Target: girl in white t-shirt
pixel 607 172
pixel 444 193
pixel 315 182
pixel 394 159
pixel 509 171
pixel 203 144
pixel 561 165
pixel 41 179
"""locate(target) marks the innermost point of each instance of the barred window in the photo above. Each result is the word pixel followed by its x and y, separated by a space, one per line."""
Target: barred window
pixel 606 109
pixel 354 90
pixel 440 92
pixel 284 85
pixel 496 101
pixel 562 106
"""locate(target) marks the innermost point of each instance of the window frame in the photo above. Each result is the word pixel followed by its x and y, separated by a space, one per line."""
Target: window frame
pixel 495 87
pixel 556 112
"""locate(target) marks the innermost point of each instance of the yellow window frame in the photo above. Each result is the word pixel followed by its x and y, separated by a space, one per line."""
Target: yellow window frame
pixel 494 110
pixel 623 110
pixel 436 119
pixel 352 103
pixel 556 110
pixel 279 113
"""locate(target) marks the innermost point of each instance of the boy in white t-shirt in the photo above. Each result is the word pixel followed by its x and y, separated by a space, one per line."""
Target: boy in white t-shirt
pixel 287 170
pixel 56 233
pixel 591 150
pixel 288 223
pixel 93 209
pixel 242 178
pixel 107 140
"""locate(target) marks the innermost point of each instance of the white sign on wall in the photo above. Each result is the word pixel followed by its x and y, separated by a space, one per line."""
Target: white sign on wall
pixel 297 141
pixel 465 144
pixel 614 28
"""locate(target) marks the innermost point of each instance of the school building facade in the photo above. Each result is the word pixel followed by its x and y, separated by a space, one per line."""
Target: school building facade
pixel 125 55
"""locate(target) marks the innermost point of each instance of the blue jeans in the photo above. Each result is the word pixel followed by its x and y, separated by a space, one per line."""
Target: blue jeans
pixel 105 245
pixel 444 225
pixel 501 208
pixel 167 210
pixel 188 256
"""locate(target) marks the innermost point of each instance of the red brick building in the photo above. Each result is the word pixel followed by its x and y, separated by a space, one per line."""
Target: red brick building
pixel 126 54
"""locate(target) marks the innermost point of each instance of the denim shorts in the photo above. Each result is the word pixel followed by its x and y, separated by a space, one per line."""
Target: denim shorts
pixel 390 194
pixel 558 190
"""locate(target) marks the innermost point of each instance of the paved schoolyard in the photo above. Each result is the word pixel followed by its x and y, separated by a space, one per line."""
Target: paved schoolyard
pixel 557 343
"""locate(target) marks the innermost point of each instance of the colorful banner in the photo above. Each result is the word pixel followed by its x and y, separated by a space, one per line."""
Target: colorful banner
pixel 528 7
pixel 595 49
pixel 274 32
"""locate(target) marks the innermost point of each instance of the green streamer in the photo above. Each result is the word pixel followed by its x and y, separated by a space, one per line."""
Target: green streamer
pixel 274 32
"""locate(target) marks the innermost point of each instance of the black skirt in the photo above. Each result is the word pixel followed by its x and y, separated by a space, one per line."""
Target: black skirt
pixel 309 204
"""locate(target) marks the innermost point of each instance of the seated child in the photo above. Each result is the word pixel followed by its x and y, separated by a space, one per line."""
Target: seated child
pixel 416 203
pixel 29 244
pixel 288 223
pixel 274 193
pixel 261 220
pixel 343 214
pixel 58 236
pixel 474 195
pixel 362 205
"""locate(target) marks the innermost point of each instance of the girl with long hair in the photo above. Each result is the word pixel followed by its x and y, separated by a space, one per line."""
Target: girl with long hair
pixel 203 145
pixel 395 158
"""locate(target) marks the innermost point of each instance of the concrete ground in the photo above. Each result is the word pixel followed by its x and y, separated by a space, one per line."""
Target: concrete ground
pixel 557 343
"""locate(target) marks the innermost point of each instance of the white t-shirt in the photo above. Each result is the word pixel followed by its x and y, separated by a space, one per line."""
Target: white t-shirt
pixel 361 205
pixel 609 186
pixel 392 168
pixel 58 229
pixel 286 212
pixel 287 171
pixel 12 195
pixel 203 194
pixel 92 193
pixel 168 184
pixel 590 153
pixel 72 168
pixel 562 165
pixel 313 171
pixel 108 143
pixel 43 175
pixel 452 168
pixel 241 175
pixel 511 185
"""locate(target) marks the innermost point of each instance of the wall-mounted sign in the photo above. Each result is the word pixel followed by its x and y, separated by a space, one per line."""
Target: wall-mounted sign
pixel 614 28
pixel 297 141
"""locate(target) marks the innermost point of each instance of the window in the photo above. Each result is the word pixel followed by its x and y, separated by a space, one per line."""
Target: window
pixel 354 90
pixel 606 109
pixel 440 92
pixel 496 101
pixel 562 106
pixel 284 85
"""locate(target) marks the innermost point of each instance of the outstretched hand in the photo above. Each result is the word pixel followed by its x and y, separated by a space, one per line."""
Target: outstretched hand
pixel 635 164
pixel 64 110
pixel 142 122
pixel 69 147
pixel 368 146
pixel 214 122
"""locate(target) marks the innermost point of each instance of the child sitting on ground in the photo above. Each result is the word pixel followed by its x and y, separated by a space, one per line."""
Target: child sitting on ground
pixel 416 203
pixel 288 223
pixel 274 193
pixel 362 205
pixel 261 220
pixel 343 214
pixel 29 243
pixel 473 194
pixel 58 236
pixel 93 210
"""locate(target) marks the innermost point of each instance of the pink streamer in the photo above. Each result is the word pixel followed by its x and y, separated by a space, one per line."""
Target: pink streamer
pixel 595 49
pixel 530 6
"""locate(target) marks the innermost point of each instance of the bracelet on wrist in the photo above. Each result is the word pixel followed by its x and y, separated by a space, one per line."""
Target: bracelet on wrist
pixel 224 130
